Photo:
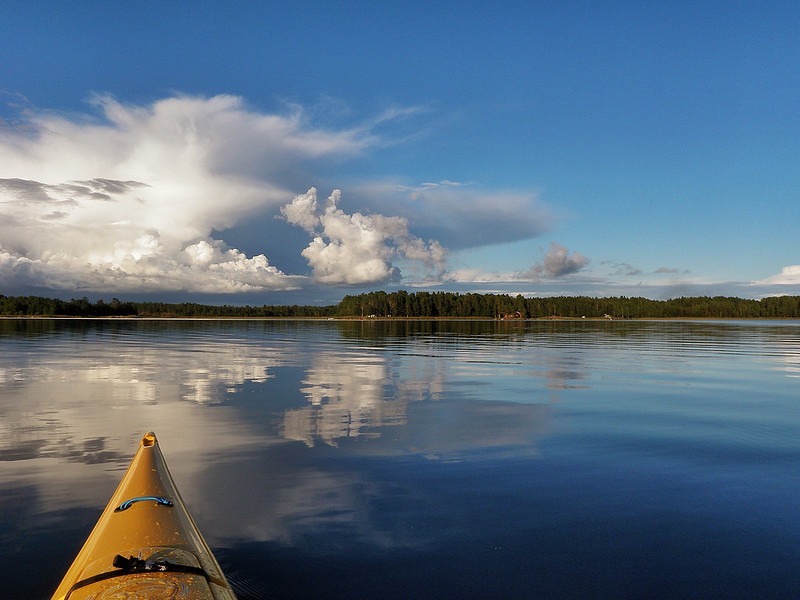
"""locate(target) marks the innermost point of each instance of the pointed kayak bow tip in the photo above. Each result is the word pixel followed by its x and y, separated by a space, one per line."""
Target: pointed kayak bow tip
pixel 159 530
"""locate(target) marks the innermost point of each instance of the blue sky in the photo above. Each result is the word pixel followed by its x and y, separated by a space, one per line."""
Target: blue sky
pixel 250 152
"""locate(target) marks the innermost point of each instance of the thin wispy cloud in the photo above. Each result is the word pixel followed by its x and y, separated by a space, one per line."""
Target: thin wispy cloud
pixel 623 269
pixel 458 214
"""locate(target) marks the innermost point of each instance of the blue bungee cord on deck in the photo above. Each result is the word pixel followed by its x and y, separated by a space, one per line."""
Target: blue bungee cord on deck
pixel 128 503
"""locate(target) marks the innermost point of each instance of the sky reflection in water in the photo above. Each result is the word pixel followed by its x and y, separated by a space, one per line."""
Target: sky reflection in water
pixel 359 459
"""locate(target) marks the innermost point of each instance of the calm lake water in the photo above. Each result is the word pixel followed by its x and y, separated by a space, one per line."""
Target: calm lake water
pixel 419 460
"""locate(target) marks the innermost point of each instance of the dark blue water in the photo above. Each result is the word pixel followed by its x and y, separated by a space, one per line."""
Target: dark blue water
pixel 420 460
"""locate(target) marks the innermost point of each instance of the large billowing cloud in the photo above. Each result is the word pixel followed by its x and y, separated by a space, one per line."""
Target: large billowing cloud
pixel 161 197
pixel 355 248
pixel 129 201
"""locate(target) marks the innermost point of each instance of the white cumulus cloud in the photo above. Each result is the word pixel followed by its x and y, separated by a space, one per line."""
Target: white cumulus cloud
pixel 356 248
pixel 557 262
pixel 129 199
pixel 789 275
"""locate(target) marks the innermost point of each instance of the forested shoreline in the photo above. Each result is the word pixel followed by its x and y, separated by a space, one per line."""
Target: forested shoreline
pixel 402 304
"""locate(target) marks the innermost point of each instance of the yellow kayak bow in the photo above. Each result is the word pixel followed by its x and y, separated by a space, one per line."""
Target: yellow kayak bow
pixel 145 546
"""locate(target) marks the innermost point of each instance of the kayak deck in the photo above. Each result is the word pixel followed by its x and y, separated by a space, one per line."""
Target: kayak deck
pixel 145 544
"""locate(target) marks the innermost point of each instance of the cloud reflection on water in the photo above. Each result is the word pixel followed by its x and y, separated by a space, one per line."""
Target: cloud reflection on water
pixel 74 403
pixel 86 399
pixel 355 394
pixel 317 438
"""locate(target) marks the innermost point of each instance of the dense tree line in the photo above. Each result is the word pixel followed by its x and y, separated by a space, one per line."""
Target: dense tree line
pixel 49 307
pixel 53 307
pixel 402 304
pixel 447 304
pixel 162 309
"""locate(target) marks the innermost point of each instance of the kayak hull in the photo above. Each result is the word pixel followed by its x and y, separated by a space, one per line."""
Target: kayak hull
pixel 145 544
